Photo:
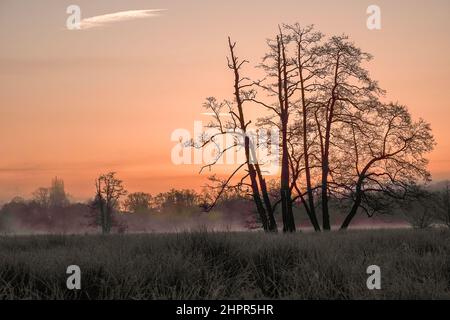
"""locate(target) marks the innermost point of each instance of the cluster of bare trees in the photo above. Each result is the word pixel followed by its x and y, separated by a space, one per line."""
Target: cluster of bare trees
pixel 337 138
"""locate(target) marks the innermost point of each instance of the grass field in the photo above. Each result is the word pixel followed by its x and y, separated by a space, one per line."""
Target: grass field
pixel 203 265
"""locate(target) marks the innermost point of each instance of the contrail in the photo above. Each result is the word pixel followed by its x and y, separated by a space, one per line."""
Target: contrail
pixel 105 19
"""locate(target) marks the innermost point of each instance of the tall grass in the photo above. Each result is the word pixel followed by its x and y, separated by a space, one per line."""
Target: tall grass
pixel 204 265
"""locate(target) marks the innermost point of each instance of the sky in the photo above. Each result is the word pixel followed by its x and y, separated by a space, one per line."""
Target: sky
pixel 77 103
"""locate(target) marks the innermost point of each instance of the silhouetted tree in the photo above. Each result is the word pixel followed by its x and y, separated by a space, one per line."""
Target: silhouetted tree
pixel 382 150
pixel 42 197
pixel 109 190
pixel 419 207
pixel 346 90
pixel 309 69
pixel 279 70
pixel 177 201
pixel 238 128
pixel 138 202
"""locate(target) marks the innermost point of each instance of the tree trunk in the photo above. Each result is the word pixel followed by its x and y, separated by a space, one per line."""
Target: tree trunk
pixel 285 191
pixel 272 224
pixel 253 173
pixel 357 202
pixel 326 154
pixel 254 185
pixel 325 213
pixel 103 221
pixel 283 96
pixel 351 214
pixel 311 211
pixel 108 220
pixel 312 218
pixel 326 169
pixel 359 194
pixel 259 206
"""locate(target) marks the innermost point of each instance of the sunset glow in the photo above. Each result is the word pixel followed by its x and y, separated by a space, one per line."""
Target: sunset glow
pixel 74 104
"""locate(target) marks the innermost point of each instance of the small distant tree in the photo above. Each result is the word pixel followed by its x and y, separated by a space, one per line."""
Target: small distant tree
pixel 443 205
pixel 138 202
pixel 420 208
pixel 183 201
pixel 109 190
pixel 8 212
pixel 42 197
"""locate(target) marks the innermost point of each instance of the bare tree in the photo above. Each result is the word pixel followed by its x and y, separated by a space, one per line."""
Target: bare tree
pixel 347 88
pixel 238 128
pixel 382 150
pixel 258 183
pixel 42 197
pixel 279 83
pixel 310 69
pixel 419 207
pixel 109 190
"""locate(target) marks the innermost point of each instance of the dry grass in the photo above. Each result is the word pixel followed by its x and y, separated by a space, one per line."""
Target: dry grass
pixel 204 265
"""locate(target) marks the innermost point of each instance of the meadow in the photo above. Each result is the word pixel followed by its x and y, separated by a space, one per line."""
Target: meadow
pixel 415 264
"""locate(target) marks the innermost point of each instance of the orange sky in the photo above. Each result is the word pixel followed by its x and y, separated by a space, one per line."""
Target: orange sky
pixel 78 103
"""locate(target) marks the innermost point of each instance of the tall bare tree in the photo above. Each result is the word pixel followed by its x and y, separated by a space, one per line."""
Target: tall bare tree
pixel 310 69
pixel 238 127
pixel 279 83
pixel 346 89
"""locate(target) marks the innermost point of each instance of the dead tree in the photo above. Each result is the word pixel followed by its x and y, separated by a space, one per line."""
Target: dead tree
pixel 238 127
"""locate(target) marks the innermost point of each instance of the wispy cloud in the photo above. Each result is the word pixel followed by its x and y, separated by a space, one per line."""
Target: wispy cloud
pixel 106 19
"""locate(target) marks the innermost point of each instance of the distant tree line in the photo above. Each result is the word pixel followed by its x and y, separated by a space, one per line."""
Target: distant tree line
pixel 113 209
